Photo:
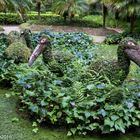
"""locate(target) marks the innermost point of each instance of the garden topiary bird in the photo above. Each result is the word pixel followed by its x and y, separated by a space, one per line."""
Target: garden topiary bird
pixel 20 46
pixel 25 36
pixel 54 59
pixel 117 71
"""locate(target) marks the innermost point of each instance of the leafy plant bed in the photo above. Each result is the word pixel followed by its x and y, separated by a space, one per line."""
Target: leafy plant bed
pixel 77 100
pixel 14 126
pixel 82 106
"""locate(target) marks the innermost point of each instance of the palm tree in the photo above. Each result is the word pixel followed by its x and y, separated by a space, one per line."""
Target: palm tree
pixel 2 4
pixel 129 8
pixel 105 4
pixel 70 7
pixel 126 8
pixel 38 7
pixel 20 7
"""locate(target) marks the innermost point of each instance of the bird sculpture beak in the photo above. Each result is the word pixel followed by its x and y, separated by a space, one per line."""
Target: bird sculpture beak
pixel 37 51
pixel 134 55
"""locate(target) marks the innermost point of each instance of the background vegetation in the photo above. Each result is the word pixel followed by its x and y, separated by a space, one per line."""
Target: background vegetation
pixel 68 12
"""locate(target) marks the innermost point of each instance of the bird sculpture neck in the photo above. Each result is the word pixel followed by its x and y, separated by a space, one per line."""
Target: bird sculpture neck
pixel 123 60
pixel 47 53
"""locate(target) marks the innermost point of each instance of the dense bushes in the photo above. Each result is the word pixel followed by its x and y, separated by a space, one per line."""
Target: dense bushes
pixel 83 105
pixel 76 100
pixel 48 19
pixel 9 55
pixel 10 18
pixel 4 62
pixel 116 38
pixel 18 52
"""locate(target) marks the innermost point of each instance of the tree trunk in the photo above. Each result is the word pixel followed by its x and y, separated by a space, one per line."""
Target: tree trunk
pixel 132 23
pixel 22 14
pixel 104 15
pixel 117 15
pixel 38 6
pixel 65 15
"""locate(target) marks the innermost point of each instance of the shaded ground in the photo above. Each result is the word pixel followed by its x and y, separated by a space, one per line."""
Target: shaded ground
pixel 8 29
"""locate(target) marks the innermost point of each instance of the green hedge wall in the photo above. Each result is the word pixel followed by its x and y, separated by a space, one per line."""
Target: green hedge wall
pixel 46 18
pixel 13 18
pixel 10 18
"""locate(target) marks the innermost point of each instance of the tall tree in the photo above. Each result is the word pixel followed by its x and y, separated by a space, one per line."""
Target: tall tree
pixel 128 8
pixel 105 5
pixel 38 7
pixel 2 4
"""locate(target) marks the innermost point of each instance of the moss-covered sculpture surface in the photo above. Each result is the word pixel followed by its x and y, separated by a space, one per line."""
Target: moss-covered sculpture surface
pixel 115 71
pixel 18 52
pixel 13 36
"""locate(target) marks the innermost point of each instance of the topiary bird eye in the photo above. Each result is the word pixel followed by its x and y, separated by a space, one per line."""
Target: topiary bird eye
pixel 43 41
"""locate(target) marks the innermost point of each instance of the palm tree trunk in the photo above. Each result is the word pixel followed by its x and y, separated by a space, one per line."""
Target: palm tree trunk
pixel 104 14
pixel 132 23
pixel 38 6
pixel 117 15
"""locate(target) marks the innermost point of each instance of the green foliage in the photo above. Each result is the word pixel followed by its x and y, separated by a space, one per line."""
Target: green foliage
pixel 76 100
pixel 116 38
pixel 13 36
pixel 10 18
pixel 75 43
pixel 1 28
pixel 113 38
pixel 82 104
pixel 18 52
pixel 48 19
pixel 4 62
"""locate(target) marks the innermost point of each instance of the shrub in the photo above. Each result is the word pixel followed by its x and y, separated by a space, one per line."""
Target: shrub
pixel 48 19
pixel 10 18
pixel 13 36
pixel 116 38
pixel 77 100
pixel 1 28
pixel 4 62
pixel 113 38
pixel 25 26
pixel 18 52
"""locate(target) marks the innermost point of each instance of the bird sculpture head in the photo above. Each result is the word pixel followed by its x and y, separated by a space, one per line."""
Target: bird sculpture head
pixel 25 36
pixel 129 49
pixel 43 44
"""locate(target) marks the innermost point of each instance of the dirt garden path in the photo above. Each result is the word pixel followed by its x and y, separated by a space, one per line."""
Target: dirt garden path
pixel 8 29
pixel 98 34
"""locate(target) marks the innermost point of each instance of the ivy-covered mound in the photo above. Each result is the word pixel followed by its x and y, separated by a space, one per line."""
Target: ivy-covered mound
pixel 76 100
pixel 4 62
pixel 12 51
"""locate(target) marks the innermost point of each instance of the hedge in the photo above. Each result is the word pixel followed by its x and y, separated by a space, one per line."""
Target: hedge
pixel 46 18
